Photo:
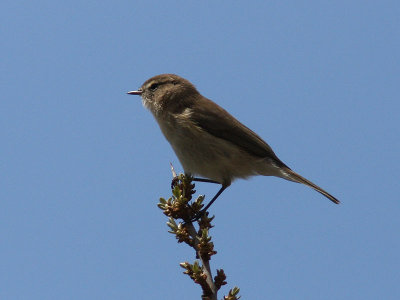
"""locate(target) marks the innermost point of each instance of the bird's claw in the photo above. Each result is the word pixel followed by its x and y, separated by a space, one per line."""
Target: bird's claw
pixel 174 182
pixel 198 216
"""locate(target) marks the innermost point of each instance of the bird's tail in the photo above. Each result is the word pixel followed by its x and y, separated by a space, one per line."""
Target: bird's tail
pixel 293 176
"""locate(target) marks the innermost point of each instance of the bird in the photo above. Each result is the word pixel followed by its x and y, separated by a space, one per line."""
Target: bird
pixel 208 141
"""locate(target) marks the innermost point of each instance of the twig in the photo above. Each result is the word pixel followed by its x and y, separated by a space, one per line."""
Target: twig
pixel 179 206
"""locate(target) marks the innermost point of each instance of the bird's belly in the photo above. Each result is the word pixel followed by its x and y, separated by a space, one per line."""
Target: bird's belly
pixel 203 154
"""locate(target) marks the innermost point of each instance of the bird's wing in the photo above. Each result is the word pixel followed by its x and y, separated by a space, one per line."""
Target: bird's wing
pixel 216 121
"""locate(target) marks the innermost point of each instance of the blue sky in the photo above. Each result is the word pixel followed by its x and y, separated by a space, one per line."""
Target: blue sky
pixel 82 164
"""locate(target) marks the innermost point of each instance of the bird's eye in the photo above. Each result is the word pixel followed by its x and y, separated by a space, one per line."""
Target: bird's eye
pixel 154 86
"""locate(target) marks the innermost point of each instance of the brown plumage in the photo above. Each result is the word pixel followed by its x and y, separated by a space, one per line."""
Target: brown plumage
pixel 208 140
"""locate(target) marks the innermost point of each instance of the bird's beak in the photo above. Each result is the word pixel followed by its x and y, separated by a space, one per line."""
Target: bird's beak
pixel 138 92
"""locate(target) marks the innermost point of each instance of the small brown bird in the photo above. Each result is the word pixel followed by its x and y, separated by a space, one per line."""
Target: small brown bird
pixel 208 140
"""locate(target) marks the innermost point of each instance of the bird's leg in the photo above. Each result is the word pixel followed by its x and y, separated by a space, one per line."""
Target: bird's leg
pixel 202 212
pixel 175 180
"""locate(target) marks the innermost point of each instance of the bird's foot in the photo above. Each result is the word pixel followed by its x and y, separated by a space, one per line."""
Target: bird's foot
pixel 174 182
pixel 198 216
